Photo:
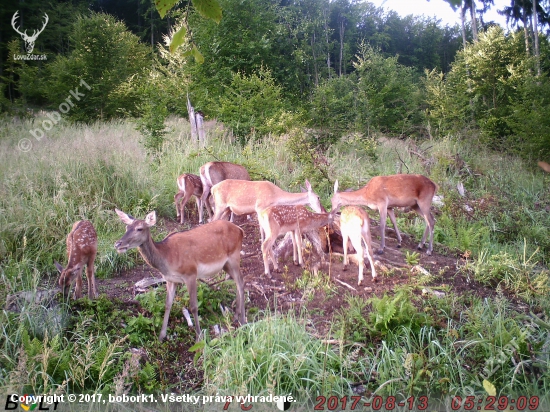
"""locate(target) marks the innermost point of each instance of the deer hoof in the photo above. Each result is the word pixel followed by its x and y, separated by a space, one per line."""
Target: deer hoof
pixel 379 252
pixel 375 280
pixel 399 246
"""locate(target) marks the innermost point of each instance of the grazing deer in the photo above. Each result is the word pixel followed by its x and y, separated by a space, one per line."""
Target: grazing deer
pixel 213 173
pixel 386 192
pixel 243 197
pixel 81 250
pixel 188 185
pixel 185 257
pixel 278 220
pixel 354 224
pixel 544 166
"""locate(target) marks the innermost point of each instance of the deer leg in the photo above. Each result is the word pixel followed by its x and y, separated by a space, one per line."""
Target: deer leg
pixel 205 200
pixel 199 207
pixel 191 282
pixel 392 218
pixel 177 198
pixel 368 250
pixel 295 257
pixel 356 242
pixel 383 214
pixel 345 246
pixel 78 285
pixel 267 252
pixel 430 221
pixel 92 290
pixel 170 293
pixel 298 236
pixel 233 268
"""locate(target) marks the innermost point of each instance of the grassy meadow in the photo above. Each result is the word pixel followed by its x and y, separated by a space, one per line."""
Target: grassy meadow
pixel 400 344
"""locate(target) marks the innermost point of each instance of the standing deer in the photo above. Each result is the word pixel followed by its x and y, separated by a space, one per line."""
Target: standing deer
pixel 386 192
pixel 185 257
pixel 29 40
pixel 188 185
pixel 243 197
pixel 278 220
pixel 354 224
pixel 213 173
pixel 81 250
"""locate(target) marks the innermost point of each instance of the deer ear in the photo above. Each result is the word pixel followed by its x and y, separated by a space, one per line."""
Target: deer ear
pixel 308 186
pixel 58 266
pixel 336 186
pixel 128 220
pixel 151 218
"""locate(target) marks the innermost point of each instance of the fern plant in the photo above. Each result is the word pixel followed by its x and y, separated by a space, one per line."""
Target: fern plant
pixel 389 312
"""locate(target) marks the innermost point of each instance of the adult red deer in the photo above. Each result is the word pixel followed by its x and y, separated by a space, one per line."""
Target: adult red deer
pixel 81 250
pixel 386 192
pixel 185 257
pixel 355 226
pixel 243 197
pixel 188 185
pixel 278 220
pixel 213 173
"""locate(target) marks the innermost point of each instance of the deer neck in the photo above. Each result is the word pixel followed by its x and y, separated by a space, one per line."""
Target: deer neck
pixel 292 199
pixel 151 254
pixel 353 198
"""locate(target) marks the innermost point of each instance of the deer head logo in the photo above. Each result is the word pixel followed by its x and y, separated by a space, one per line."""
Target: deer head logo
pixel 29 40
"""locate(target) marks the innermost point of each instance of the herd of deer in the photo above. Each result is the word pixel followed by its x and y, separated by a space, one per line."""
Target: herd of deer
pixel 223 188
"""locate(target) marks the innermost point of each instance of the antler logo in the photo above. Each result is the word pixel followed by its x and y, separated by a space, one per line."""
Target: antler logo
pixel 29 40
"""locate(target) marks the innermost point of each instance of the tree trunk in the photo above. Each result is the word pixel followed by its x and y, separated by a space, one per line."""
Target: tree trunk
pixel 328 44
pixel 525 30
pixel 474 22
pixel 315 71
pixel 536 36
pixel 463 23
pixel 341 27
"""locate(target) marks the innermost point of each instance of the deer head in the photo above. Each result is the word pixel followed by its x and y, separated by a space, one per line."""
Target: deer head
pixel 29 40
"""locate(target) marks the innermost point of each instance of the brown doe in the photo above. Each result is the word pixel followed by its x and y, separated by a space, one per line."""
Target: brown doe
pixel 278 220
pixel 213 173
pixel 185 257
pixel 188 185
pixel 355 226
pixel 386 192
pixel 81 250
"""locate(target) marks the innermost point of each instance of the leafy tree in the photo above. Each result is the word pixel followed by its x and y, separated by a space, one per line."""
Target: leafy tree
pixel 105 55
pixel 388 94
pixel 333 108
pixel 249 103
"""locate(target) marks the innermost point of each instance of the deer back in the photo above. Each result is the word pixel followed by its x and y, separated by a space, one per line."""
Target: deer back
pixel 81 242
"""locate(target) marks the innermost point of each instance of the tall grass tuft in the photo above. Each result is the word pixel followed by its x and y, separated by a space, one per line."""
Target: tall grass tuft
pixel 275 355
